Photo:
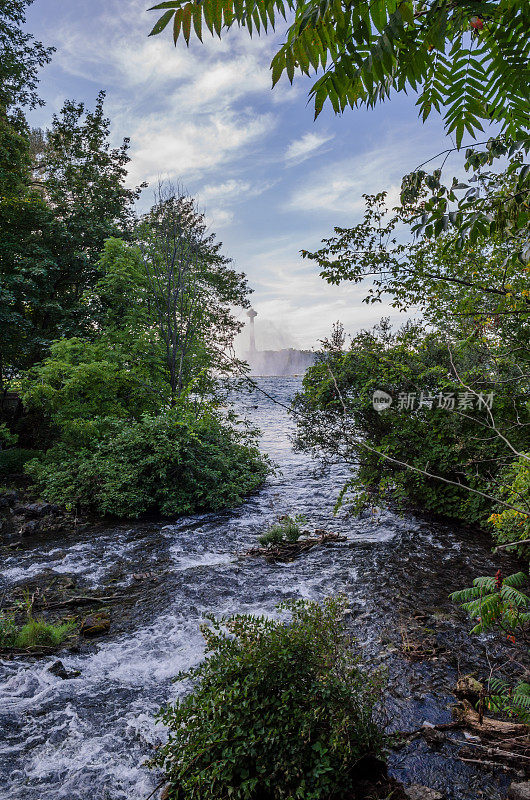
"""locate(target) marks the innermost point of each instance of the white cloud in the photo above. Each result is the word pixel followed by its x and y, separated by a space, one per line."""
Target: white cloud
pixel 339 187
pixel 303 148
pixel 183 146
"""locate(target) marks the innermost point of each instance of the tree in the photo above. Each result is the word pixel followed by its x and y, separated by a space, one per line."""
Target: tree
pixel 192 289
pixel 451 287
pixel 468 58
pixel 38 300
pixel 82 179
pixel 21 57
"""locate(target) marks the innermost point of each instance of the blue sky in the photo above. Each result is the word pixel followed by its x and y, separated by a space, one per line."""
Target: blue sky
pixel 270 179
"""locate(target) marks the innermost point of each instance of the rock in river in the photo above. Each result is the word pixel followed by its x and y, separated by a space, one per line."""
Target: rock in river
pixel 519 791
pixel 423 793
pixel 96 624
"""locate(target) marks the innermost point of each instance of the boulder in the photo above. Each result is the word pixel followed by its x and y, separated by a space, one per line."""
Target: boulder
pixel 417 792
pixel 58 669
pixel 30 528
pixel 96 624
pixel 519 791
pixel 37 509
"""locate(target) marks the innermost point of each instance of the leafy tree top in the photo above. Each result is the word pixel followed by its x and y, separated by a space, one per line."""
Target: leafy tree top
pixel 21 56
pixel 467 59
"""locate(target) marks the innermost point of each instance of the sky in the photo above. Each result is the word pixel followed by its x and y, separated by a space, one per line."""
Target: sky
pixel 271 180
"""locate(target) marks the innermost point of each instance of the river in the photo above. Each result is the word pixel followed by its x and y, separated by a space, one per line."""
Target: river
pixel 86 738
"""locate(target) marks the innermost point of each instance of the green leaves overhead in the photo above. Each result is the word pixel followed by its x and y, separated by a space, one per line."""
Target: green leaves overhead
pixel 467 59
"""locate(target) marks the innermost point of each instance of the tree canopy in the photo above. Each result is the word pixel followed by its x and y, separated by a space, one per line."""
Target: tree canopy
pixel 467 59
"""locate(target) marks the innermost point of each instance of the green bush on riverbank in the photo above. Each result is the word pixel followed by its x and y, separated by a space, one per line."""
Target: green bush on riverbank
pixel 279 710
pixel 175 463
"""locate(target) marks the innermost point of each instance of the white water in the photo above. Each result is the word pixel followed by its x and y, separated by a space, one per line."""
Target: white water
pixel 87 738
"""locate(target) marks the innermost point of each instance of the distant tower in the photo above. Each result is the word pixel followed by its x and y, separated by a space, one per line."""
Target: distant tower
pixel 251 314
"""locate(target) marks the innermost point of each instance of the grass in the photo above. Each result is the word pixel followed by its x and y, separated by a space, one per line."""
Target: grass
pixel 287 529
pixel 34 632
pixel 37 633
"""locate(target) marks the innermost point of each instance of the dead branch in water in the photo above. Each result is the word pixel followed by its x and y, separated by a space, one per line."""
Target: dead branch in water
pixel 287 551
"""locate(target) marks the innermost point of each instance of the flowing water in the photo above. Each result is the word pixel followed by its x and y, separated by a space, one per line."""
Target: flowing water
pixel 87 738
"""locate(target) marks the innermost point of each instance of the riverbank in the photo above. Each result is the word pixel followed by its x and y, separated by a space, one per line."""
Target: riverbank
pixel 88 736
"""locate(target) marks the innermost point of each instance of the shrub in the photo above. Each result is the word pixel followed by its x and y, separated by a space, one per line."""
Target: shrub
pixel 13 460
pixel 287 529
pixel 499 603
pixel 510 525
pixel 423 427
pixel 280 709
pixel 173 463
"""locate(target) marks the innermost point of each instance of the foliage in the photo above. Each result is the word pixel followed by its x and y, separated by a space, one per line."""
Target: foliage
pixel 496 207
pixel 467 59
pixel 39 267
pixel 192 289
pixel 6 437
pixel 13 460
pixel 34 632
pixel 278 709
pixel 83 179
pixel 498 602
pixel 475 282
pixel 403 451
pixel 176 462
pixel 82 381
pixel 21 56
pixel 508 699
pixel 287 529
pixel 508 524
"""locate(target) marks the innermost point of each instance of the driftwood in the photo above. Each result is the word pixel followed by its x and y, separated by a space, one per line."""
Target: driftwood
pixel 287 551
pixel 83 600
pixel 491 728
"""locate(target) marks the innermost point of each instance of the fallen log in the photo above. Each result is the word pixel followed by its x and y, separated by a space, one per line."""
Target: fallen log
pixel 489 727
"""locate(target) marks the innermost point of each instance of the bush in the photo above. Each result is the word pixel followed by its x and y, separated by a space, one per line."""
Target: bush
pixel 336 415
pixel 287 529
pixel 510 525
pixel 500 603
pixel 13 460
pixel 279 710
pixel 174 463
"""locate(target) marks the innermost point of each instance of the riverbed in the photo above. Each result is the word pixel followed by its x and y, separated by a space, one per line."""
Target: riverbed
pixel 87 738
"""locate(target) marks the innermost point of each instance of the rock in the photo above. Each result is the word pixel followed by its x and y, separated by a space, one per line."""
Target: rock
pixel 519 791
pixel 433 737
pixel 164 794
pixel 36 509
pixel 30 528
pixel 96 624
pixel 58 669
pixel 417 792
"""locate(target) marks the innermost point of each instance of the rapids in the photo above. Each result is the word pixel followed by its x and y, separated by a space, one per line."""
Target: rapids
pixel 87 738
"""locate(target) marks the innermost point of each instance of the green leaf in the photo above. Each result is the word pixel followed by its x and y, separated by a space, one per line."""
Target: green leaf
pixel 162 22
